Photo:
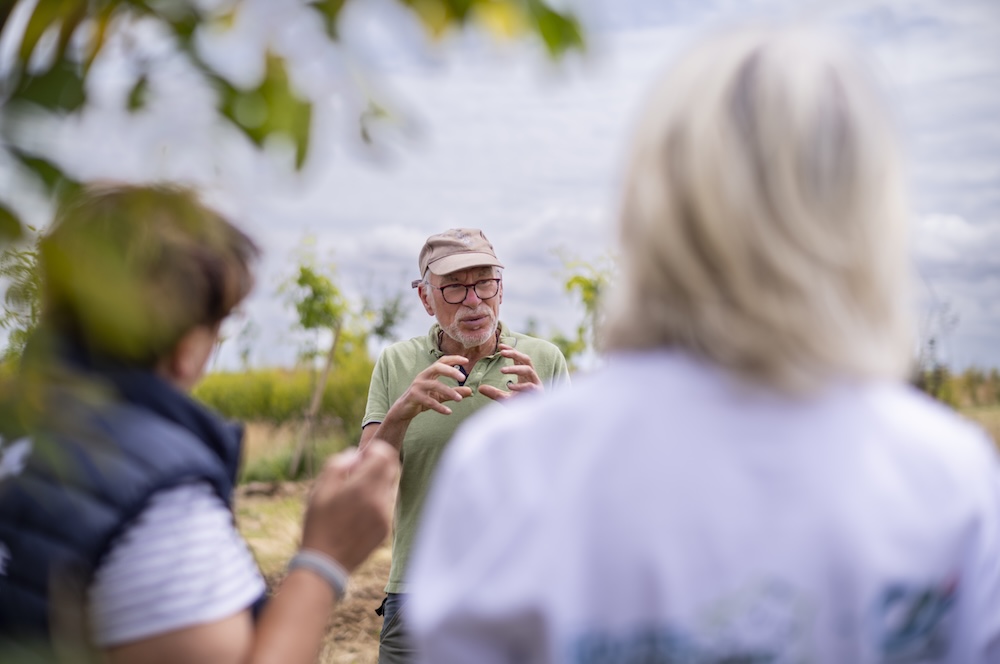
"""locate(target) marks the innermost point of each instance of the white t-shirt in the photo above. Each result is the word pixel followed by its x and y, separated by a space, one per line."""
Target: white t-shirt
pixel 659 512
pixel 181 564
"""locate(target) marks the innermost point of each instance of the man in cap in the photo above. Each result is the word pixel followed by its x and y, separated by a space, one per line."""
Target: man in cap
pixel 423 388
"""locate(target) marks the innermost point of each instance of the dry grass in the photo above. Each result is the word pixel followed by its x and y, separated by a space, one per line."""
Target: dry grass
pixel 261 440
pixel 988 417
pixel 270 518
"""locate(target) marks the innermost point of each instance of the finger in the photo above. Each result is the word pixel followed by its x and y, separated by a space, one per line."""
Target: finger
pixel 378 448
pixel 379 471
pixel 444 367
pixel 337 469
pixel 442 392
pixel 521 371
pixel 448 372
pixel 526 387
pixel 494 393
pixel 380 461
pixel 447 366
pixel 341 465
pixel 430 403
pixel 517 356
pixel 526 379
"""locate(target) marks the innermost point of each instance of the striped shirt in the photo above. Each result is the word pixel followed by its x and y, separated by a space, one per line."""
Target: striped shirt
pixel 181 564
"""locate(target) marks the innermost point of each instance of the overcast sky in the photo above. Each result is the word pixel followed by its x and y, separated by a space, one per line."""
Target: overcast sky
pixel 497 137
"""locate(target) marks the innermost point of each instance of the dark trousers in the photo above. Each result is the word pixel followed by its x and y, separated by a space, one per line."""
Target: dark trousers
pixel 393 642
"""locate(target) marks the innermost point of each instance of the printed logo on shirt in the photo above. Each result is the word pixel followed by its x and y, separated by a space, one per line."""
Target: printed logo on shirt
pixel 769 622
pixel 913 622
pixel 13 457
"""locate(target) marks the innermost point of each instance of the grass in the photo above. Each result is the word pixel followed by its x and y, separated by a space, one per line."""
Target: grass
pixel 988 417
pixel 268 451
pixel 271 523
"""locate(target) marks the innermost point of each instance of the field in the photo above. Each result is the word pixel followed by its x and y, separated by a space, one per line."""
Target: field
pixel 269 516
pixel 988 417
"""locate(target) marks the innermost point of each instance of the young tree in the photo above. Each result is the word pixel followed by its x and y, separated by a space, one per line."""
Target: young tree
pixel 321 308
pixel 587 283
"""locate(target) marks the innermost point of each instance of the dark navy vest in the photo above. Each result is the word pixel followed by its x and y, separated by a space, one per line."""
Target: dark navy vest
pixel 83 451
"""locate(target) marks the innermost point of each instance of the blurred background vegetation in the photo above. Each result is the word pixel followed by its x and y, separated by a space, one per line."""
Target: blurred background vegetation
pixel 50 50
pixel 297 414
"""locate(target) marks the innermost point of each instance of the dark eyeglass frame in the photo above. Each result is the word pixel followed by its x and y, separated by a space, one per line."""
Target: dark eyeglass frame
pixel 482 283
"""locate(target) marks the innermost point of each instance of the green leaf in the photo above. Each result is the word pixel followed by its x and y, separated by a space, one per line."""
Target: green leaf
pixel 459 9
pixel 57 183
pixel 330 11
pixel 139 94
pixel 318 301
pixel 46 14
pixel 559 32
pixel 183 18
pixel 287 112
pixel 10 226
pixel 60 88
pixel 102 19
pixel 236 104
pixel 271 108
pixel 371 115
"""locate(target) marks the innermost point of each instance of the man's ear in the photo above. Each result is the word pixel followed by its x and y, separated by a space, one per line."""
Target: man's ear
pixel 425 300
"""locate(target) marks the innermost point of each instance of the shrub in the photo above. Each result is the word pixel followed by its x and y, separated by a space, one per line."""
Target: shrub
pixel 282 395
pixel 273 466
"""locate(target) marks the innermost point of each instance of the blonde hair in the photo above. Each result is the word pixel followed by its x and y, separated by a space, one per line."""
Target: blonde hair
pixel 763 224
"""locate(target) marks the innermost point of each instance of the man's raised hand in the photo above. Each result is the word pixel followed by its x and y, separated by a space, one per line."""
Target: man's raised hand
pixel 527 377
pixel 426 392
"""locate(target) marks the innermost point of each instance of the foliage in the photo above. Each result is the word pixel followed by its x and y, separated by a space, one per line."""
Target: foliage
pixel 386 317
pixel 22 301
pixel 987 417
pixel 282 395
pixel 972 388
pixel 54 53
pixel 275 465
pixel 317 301
pixel 586 283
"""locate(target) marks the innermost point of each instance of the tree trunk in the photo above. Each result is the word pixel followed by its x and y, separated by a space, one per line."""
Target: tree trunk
pixel 305 434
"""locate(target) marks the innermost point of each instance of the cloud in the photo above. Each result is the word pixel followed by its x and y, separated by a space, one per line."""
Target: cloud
pixel 495 136
pixel 959 268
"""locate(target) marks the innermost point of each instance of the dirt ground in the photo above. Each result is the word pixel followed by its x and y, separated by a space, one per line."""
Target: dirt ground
pixel 269 516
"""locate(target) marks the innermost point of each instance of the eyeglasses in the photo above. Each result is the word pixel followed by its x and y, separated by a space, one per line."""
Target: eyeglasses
pixel 456 293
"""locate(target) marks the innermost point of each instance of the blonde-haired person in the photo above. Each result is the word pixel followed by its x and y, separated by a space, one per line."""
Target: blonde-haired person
pixel 749 478
pixel 117 539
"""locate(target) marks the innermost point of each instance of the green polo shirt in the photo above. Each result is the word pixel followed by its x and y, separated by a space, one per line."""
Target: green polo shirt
pixel 430 431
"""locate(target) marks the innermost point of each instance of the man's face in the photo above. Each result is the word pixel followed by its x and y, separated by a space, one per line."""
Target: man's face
pixel 473 321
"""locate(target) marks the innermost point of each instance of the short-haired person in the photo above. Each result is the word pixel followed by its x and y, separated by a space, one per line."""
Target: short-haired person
pixel 749 478
pixel 117 539
pixel 423 388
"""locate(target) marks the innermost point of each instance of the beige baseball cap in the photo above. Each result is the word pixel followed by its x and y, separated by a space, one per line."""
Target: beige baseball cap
pixel 456 249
